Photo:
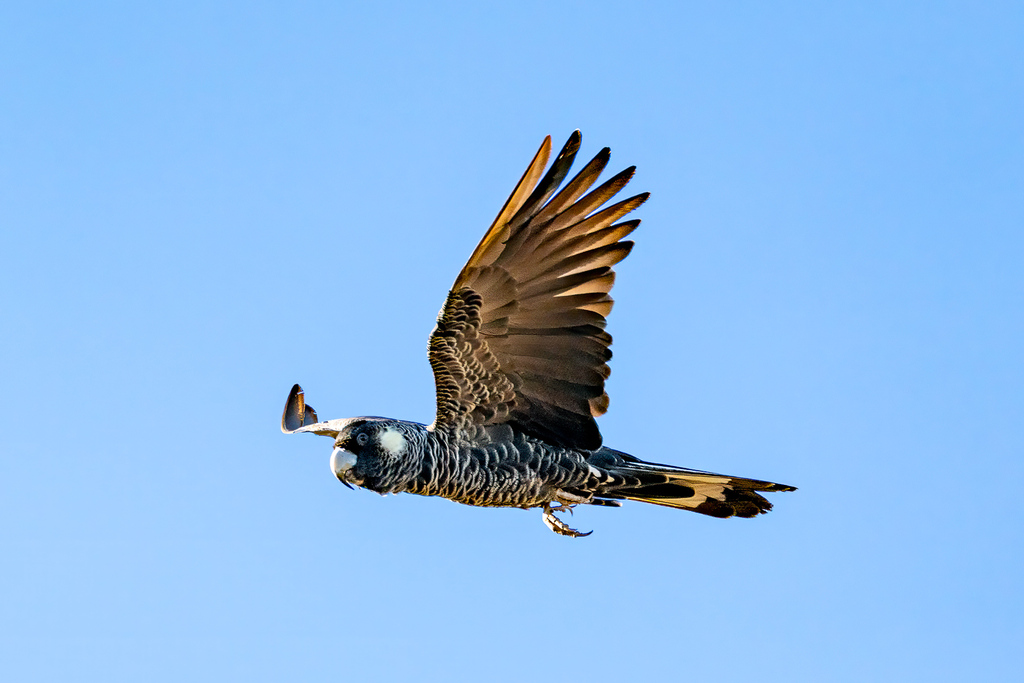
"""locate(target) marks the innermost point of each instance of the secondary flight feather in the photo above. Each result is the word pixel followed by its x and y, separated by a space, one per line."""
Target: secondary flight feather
pixel 520 356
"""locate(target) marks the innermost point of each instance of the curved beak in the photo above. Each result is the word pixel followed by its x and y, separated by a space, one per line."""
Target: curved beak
pixel 341 462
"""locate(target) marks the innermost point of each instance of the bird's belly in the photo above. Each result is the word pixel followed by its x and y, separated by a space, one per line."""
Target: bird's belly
pixel 493 489
pixel 491 477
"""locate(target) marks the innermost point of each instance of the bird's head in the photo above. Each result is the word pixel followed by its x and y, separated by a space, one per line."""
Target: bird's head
pixel 374 452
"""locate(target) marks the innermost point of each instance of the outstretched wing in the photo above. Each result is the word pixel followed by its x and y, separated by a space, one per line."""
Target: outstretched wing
pixel 521 337
pixel 298 417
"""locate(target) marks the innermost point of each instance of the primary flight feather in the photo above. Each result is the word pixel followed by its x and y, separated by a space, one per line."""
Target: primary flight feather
pixel 520 356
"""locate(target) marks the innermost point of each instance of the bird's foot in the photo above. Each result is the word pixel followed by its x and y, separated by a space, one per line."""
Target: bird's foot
pixel 557 525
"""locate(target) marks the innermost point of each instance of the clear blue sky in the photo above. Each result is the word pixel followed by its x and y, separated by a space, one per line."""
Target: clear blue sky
pixel 201 204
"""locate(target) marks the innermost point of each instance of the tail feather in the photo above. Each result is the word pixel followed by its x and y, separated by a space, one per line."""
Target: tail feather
pixel 717 495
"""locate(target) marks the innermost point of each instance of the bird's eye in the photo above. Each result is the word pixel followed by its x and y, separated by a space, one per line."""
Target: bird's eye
pixel 362 438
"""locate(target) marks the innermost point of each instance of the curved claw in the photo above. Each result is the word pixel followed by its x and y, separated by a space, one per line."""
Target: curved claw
pixel 557 525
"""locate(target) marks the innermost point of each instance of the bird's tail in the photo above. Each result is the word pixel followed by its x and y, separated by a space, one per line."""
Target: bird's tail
pixel 717 495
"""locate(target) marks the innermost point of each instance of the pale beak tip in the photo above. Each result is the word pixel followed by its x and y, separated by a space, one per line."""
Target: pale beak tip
pixel 341 462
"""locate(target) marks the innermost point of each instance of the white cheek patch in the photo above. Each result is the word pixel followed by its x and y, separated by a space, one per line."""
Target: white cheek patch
pixel 392 441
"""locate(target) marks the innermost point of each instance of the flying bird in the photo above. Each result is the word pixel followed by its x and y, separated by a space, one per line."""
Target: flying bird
pixel 520 357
